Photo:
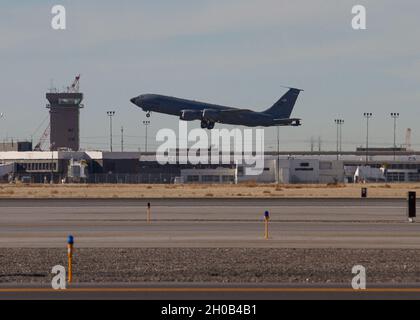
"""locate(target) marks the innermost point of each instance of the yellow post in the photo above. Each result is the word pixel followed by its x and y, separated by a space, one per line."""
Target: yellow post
pixel 266 218
pixel 148 212
pixel 266 229
pixel 70 242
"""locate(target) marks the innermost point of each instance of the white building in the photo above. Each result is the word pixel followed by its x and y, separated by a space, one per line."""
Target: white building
pixel 217 175
pixel 369 174
pixel 287 171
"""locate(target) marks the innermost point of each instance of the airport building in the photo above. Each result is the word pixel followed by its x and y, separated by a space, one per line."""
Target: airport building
pixel 287 171
pixel 68 166
pixel 16 146
pixel 135 167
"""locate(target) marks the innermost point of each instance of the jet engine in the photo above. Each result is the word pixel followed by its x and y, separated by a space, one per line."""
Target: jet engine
pixel 190 115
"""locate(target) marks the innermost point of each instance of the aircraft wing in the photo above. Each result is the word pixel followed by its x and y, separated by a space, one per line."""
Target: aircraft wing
pixel 225 115
pixel 241 114
pixel 236 111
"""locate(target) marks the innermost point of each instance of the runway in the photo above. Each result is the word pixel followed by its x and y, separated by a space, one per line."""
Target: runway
pixel 201 291
pixel 298 223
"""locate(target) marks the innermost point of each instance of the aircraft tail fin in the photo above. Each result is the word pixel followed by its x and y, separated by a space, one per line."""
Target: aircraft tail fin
pixel 283 108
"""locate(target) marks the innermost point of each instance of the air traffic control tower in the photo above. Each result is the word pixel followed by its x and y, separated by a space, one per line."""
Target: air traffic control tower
pixel 64 117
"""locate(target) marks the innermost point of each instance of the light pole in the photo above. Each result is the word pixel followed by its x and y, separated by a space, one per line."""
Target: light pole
pixel 339 123
pixel 367 115
pixel 146 124
pixel 122 139
pixel 110 115
pixel 395 116
pixel 2 117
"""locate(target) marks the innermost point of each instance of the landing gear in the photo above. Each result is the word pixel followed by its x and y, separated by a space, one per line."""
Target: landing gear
pixel 148 114
pixel 207 124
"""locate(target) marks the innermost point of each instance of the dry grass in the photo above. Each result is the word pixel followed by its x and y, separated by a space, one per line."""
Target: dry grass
pixel 7 192
pixel 278 188
pixel 249 184
pixel 247 190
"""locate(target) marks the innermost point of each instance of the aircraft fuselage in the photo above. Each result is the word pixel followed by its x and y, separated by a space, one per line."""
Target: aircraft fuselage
pixel 208 114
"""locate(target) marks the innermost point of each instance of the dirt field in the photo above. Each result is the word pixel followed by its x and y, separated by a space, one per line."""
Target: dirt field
pixel 212 265
pixel 248 190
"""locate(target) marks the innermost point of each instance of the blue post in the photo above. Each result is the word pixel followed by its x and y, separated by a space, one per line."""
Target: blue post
pixel 70 239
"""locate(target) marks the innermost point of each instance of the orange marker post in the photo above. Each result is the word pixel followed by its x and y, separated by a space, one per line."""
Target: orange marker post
pixel 148 212
pixel 266 220
pixel 70 242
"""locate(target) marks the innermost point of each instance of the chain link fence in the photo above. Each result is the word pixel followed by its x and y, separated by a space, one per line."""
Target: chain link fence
pixel 98 178
pixel 145 178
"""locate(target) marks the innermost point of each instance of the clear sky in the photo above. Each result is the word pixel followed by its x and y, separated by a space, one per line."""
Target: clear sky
pixel 231 52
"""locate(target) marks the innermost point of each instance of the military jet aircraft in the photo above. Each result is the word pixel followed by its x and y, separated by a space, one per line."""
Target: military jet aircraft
pixel 209 114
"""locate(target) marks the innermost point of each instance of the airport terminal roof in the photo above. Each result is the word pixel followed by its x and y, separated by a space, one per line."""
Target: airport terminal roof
pixel 151 156
pixel 66 155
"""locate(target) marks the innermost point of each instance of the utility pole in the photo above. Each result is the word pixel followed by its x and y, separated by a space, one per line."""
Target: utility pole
pixel 367 115
pixel 395 116
pixel 319 144
pixel 408 139
pixel 122 139
pixel 146 124
pixel 110 115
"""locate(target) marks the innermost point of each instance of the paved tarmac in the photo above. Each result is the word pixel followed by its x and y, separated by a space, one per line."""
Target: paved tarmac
pixel 202 291
pixel 299 223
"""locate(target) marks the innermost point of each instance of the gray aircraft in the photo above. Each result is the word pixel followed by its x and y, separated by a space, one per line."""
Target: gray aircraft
pixel 209 114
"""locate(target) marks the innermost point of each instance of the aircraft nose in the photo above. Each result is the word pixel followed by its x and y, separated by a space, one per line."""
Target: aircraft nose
pixel 133 100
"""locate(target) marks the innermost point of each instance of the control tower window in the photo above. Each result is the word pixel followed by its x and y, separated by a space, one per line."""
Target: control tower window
pixel 68 101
